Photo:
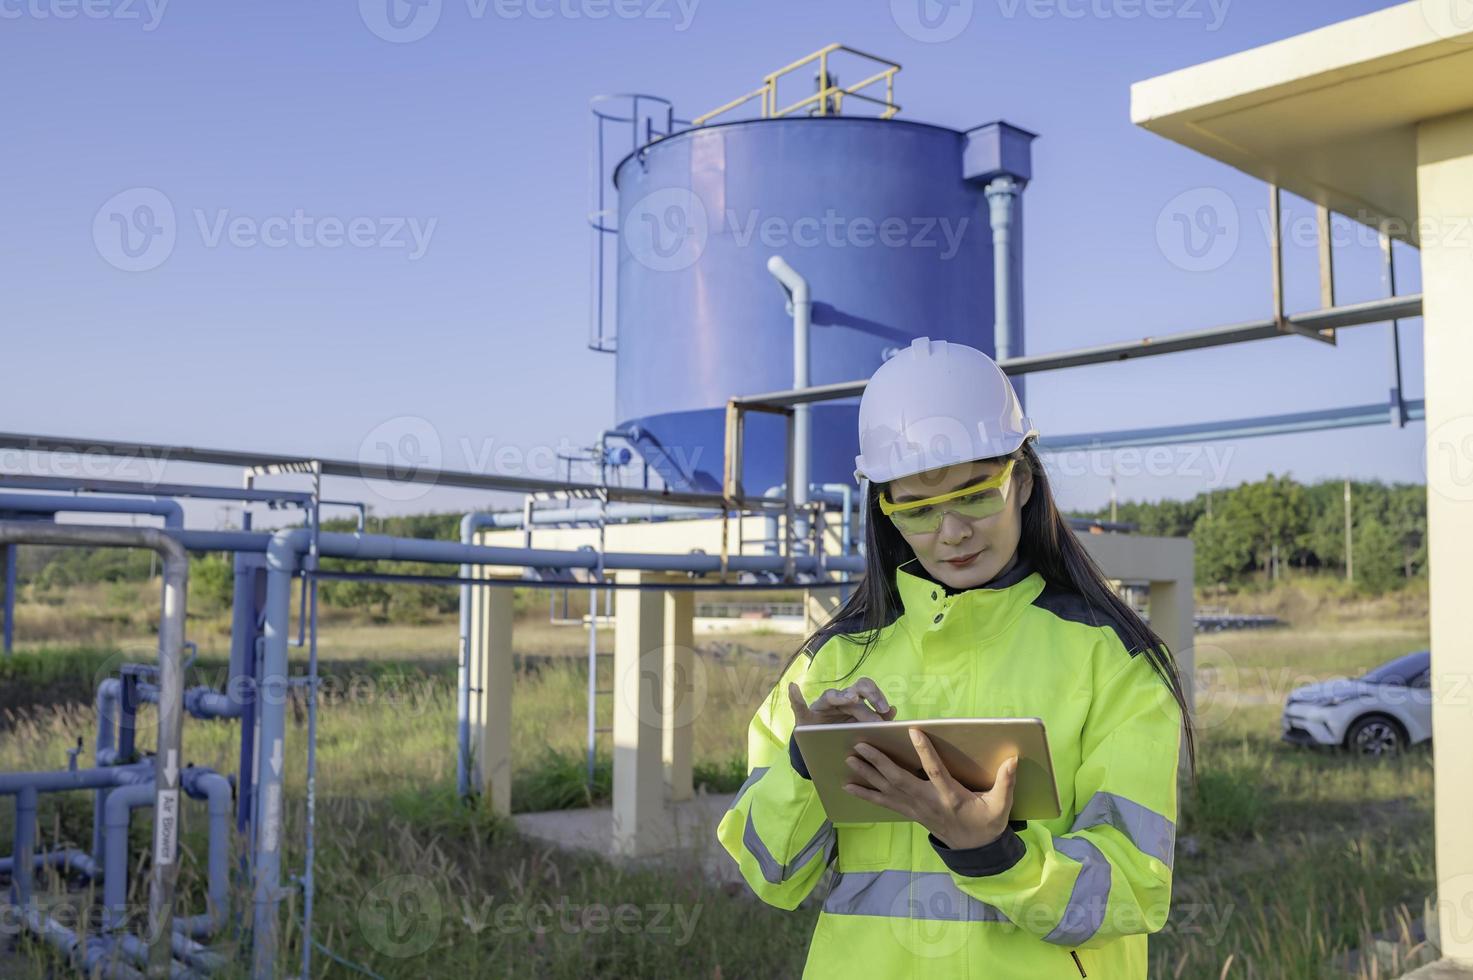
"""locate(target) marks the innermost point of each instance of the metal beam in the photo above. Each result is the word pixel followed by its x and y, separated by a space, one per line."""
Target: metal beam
pixel 1313 321
pixel 127 449
pixel 15 481
pixel 1267 425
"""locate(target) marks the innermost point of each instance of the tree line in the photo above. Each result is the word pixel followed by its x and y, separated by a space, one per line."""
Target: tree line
pixel 1262 530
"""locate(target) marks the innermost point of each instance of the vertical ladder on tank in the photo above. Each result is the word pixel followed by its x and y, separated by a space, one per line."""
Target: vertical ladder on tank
pixel 648 118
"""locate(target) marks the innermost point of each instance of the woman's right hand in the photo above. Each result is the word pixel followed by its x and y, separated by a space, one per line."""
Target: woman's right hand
pixel 842 705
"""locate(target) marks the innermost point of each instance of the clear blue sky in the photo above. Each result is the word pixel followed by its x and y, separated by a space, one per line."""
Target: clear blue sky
pixel 478 133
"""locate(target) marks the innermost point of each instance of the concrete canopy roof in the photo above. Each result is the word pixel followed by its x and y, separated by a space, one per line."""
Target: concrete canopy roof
pixel 1329 115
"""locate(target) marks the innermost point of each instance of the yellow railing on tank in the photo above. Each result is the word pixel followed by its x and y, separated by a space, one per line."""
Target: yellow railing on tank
pixel 830 98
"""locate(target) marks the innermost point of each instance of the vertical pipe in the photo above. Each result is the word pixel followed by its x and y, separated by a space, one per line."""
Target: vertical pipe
pixel 166 813
pixel 592 680
pixel 1276 253
pixel 109 695
pixel 23 869
pixel 281 560
pixel 468 525
pixel 12 555
pixel 801 301
pixel 244 630
pixel 1003 199
pixel 311 836
pixel 1398 403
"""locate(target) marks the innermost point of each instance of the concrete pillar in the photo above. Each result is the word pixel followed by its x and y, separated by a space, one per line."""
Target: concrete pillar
pixel 639 689
pixel 1167 564
pixel 491 685
pixel 682 693
pixel 1445 200
pixel 1173 610
pixel 819 606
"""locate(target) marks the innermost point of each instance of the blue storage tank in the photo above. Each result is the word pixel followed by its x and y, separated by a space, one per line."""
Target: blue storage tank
pixel 886 219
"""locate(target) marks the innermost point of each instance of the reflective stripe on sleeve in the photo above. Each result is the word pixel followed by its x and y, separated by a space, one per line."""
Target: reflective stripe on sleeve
pixel 1150 832
pixel 1086 908
pixel 906 894
pixel 772 869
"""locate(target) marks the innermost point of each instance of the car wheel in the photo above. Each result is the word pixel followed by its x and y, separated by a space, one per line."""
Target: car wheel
pixel 1375 735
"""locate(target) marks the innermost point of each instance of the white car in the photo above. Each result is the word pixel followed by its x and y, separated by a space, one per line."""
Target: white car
pixel 1380 713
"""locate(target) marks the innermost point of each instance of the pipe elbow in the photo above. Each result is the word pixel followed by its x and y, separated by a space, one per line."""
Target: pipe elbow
pixel 784 273
pixel 212 786
pixel 473 522
pixel 285 547
pixel 122 801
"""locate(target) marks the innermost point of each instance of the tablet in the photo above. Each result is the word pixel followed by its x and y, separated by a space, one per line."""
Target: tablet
pixel 970 748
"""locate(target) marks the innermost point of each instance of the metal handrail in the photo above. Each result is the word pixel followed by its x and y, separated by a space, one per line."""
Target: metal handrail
pixel 826 93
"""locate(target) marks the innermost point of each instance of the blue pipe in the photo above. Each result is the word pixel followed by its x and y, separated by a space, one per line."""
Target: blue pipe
pixel 68 780
pixel 244 631
pixel 198 783
pixel 96 957
pixel 37 503
pixel 109 694
pixel 11 557
pixel 282 561
pixel 23 869
pixel 68 859
pixel 469 524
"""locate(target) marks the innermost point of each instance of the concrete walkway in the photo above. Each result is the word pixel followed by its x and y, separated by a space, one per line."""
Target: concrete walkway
pixel 688 838
pixel 1441 970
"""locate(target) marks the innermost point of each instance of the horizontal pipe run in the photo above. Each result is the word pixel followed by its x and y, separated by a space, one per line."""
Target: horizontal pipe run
pixel 66 484
pixel 554 584
pixel 67 780
pixel 38 503
pixel 68 859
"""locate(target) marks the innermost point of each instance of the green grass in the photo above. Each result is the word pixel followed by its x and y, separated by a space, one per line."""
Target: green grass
pixel 1287 859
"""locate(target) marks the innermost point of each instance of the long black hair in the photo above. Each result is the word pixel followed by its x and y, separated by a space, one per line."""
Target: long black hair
pixel 1049 545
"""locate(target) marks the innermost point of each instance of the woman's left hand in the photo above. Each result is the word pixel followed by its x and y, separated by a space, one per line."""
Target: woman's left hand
pixel 959 817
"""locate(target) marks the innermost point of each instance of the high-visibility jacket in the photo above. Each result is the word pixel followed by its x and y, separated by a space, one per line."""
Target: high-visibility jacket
pixel 1071 896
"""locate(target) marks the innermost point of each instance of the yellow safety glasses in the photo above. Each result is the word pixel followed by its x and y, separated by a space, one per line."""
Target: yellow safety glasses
pixel 972 502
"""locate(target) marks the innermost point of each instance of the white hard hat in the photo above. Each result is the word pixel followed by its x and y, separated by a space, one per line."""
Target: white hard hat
pixel 933 404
